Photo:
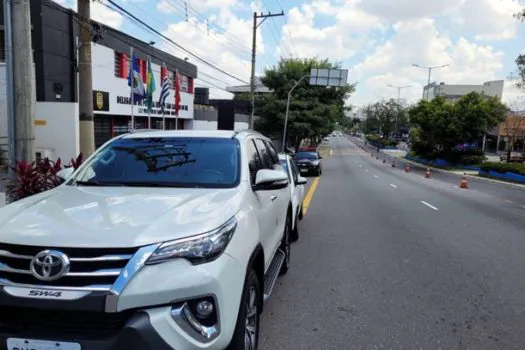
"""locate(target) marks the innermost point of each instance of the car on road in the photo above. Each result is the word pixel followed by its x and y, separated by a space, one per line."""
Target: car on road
pixel 309 162
pixel 160 240
pixel 297 183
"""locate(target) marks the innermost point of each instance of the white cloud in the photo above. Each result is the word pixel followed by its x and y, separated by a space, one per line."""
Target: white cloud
pixel 401 10
pixel 99 13
pixel 419 42
pixel 166 7
pixel 488 19
pixel 339 41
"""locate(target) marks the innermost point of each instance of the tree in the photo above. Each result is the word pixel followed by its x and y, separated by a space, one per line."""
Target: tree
pixel 514 129
pixel 383 117
pixel 314 110
pixel 441 126
pixel 519 75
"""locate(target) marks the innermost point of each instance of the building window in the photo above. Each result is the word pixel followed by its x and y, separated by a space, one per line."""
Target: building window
pixel 121 65
pixel 118 72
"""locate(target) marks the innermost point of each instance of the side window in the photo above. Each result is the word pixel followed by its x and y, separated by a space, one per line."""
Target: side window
pixel 254 161
pixel 295 172
pixel 273 152
pixel 266 158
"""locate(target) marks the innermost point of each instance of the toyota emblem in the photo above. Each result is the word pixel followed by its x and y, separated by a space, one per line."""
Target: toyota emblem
pixel 50 265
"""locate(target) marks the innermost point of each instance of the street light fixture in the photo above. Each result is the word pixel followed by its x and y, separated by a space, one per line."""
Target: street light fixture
pixel 398 99
pixel 288 108
pixel 429 73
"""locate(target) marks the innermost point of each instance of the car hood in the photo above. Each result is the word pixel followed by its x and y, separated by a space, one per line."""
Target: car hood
pixel 70 216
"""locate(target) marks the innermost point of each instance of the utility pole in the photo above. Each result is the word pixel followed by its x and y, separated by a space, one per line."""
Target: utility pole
pixel 85 80
pixel 23 81
pixel 8 30
pixel 429 73
pixel 254 50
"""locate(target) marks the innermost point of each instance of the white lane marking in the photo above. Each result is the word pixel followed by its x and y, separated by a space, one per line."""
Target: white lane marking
pixel 456 187
pixel 523 206
pixel 508 201
pixel 376 176
pixel 330 151
pixel 429 205
pixel 360 166
pixel 394 186
pixel 366 170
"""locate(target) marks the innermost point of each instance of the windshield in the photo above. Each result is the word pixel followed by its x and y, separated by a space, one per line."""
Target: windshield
pixel 284 163
pixel 177 162
pixel 306 155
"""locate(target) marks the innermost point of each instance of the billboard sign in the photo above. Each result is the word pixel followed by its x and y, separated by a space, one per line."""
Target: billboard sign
pixel 329 77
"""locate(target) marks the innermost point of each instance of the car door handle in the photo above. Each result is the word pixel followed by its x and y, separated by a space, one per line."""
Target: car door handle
pixel 274 197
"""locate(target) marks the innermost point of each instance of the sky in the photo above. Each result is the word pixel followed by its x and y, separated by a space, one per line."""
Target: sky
pixel 378 41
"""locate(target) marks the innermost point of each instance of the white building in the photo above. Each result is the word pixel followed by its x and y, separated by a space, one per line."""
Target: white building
pixel 54 39
pixel 454 92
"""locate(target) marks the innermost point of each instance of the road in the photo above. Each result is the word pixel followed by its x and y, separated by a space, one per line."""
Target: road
pixel 391 260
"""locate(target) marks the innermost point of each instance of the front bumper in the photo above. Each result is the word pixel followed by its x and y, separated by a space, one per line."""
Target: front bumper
pixel 145 316
pixel 136 333
pixel 308 167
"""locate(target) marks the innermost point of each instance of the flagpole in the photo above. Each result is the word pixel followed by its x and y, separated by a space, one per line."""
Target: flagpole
pixel 177 87
pixel 162 107
pixel 147 83
pixel 131 87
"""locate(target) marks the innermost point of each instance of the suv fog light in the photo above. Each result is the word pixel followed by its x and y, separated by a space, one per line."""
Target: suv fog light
pixel 204 309
pixel 198 317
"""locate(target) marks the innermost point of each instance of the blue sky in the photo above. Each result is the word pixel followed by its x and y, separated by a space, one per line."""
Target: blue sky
pixel 377 40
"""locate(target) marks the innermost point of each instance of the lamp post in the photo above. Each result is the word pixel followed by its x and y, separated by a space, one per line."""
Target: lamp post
pixel 398 99
pixel 288 109
pixel 429 73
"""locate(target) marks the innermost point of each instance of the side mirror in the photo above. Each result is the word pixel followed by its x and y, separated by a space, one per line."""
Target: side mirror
pixel 301 180
pixel 65 174
pixel 320 157
pixel 267 179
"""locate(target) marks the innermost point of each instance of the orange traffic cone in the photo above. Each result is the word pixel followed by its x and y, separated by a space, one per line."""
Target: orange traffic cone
pixel 427 173
pixel 464 182
pixel 407 168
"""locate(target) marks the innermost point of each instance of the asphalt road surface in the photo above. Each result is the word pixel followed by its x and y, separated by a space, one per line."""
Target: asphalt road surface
pixel 391 260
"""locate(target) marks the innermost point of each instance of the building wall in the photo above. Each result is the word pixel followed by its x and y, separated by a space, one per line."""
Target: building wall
pixel 117 91
pixel 454 92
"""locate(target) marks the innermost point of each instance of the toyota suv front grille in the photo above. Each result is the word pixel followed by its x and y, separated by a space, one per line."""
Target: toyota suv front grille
pixel 89 268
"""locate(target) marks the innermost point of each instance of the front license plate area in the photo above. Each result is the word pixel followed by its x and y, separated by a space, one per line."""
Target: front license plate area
pixel 32 344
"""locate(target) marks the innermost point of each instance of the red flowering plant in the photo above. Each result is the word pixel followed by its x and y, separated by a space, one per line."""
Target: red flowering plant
pixel 38 176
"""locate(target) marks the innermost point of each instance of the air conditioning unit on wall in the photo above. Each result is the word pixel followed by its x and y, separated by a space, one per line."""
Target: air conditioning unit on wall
pixel 42 153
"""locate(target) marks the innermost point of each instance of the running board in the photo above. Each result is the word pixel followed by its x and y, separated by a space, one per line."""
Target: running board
pixel 273 272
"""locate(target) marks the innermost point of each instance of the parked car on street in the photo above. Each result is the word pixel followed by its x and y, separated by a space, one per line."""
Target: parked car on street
pixel 160 240
pixel 309 162
pixel 297 183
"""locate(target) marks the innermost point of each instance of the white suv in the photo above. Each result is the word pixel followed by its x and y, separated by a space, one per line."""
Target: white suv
pixel 160 240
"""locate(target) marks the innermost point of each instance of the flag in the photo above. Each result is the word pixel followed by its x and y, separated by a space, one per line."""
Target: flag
pixel 150 87
pixel 165 90
pixel 177 93
pixel 135 81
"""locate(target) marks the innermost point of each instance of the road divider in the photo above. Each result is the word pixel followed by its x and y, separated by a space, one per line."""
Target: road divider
pixel 430 206
pixel 310 195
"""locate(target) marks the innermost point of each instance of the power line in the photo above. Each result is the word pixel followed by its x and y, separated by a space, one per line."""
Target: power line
pixel 174 43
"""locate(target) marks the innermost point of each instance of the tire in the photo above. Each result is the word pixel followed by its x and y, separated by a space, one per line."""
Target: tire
pixel 249 315
pixel 301 215
pixel 286 246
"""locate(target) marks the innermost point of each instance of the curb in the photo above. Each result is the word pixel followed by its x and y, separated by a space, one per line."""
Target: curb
pixel 468 175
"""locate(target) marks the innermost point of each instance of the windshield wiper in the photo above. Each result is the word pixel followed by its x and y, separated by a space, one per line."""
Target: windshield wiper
pixel 97 183
pixel 157 184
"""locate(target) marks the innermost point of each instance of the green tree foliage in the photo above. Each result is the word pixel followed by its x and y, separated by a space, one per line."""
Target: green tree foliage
pixel 439 125
pixel 519 75
pixel 383 117
pixel 314 110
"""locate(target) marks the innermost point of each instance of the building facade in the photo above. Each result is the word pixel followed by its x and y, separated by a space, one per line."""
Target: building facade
pixel 55 49
pixel 455 92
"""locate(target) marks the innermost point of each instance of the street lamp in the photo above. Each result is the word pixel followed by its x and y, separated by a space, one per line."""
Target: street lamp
pixel 429 73
pixel 288 108
pixel 398 99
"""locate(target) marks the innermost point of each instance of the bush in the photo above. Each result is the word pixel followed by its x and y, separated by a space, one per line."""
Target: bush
pixel 516 168
pixel 381 142
pixel 37 177
pixel 453 157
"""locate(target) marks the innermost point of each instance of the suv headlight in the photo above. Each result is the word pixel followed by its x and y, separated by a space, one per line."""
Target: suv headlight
pixel 196 249
pixel 315 162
